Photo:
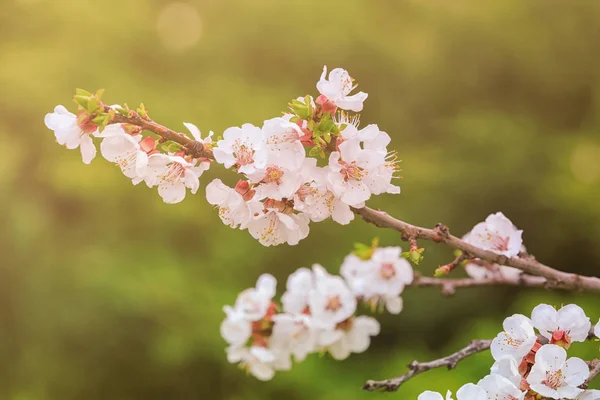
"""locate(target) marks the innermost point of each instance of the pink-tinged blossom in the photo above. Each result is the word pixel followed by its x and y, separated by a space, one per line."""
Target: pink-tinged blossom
pixel 294 334
pixel 497 234
pixel 337 90
pixel 243 148
pixel 237 207
pixel 349 169
pixel 316 199
pixel 73 133
pixel 569 324
pixel 516 340
pixel 554 376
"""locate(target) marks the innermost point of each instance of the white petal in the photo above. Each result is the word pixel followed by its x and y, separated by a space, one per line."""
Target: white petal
pixel 88 150
pixel 576 371
pixel 172 193
pixel 470 391
pixel 429 395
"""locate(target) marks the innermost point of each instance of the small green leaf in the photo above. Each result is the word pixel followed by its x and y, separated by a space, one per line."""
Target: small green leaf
pixel 81 92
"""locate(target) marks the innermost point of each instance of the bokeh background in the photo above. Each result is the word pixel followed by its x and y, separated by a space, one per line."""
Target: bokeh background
pixel 108 293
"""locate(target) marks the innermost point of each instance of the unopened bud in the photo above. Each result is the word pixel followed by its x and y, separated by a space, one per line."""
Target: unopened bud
pixel 243 188
pixel 442 271
pixel 327 106
pixel 148 144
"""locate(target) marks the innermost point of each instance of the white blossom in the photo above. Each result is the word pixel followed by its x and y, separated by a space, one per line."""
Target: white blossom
pixel 259 361
pixel 338 87
pixel 507 367
pixel 197 135
pixel 348 171
pixel 497 234
pixel 382 278
pixel 294 333
pixel 597 330
pixel 236 328
pixel 242 147
pixel 173 174
pixel 273 227
pixel 234 209
pixel 254 302
pixel 126 151
pixel 569 324
pixel 516 340
pixel 500 388
pixel 430 395
pixel 468 391
pixel 330 300
pixel 316 199
pixel 71 133
pixel 353 336
pixel 554 376
pixel 298 287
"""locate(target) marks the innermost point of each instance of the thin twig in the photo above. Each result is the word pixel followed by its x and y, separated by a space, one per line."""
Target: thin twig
pixel 594 366
pixel 415 367
pixel 448 286
pixel 441 234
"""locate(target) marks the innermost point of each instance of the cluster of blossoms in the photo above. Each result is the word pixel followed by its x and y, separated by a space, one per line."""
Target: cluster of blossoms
pixel 139 158
pixel 310 164
pixel 530 365
pixel 317 312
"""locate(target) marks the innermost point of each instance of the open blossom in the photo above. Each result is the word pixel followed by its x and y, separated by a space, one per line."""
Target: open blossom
pixel 276 224
pixel 316 199
pixel 500 388
pixel 294 334
pixel 380 279
pixel 569 324
pixel 282 143
pixel 236 206
pixel 348 171
pixel 241 147
pixel 73 133
pixel 516 340
pixel 330 300
pixel 497 234
pixel 337 90
pixel 554 376
pixel 353 336
pixel 173 174
pixel 236 328
pixel 128 152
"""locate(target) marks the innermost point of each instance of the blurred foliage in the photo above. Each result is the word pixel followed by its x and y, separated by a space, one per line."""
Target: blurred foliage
pixel 108 293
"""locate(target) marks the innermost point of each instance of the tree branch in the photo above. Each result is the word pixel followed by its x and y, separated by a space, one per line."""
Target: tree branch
pixel 441 234
pixel 448 286
pixel 594 366
pixel 415 367
pixel 193 147
pixel 554 278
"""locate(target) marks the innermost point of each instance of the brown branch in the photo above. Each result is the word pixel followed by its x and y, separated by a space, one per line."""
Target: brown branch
pixel 193 147
pixel 449 286
pixel 594 366
pixel 415 367
pixel 441 234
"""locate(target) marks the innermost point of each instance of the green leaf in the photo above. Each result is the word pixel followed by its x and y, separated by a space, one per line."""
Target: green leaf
pixel 81 92
pixel 92 105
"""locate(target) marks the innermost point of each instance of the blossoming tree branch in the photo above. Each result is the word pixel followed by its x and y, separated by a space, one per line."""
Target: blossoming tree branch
pixel 313 163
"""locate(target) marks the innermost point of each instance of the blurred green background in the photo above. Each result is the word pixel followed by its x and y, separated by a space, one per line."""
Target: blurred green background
pixel 108 293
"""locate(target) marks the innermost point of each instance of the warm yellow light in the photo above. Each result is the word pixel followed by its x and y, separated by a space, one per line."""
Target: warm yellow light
pixel 179 26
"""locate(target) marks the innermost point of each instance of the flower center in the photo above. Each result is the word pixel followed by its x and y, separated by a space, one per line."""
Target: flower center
pixel 387 270
pixel 334 303
pixel 273 175
pixel 244 155
pixel 351 171
pixel 174 173
pixel 554 379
